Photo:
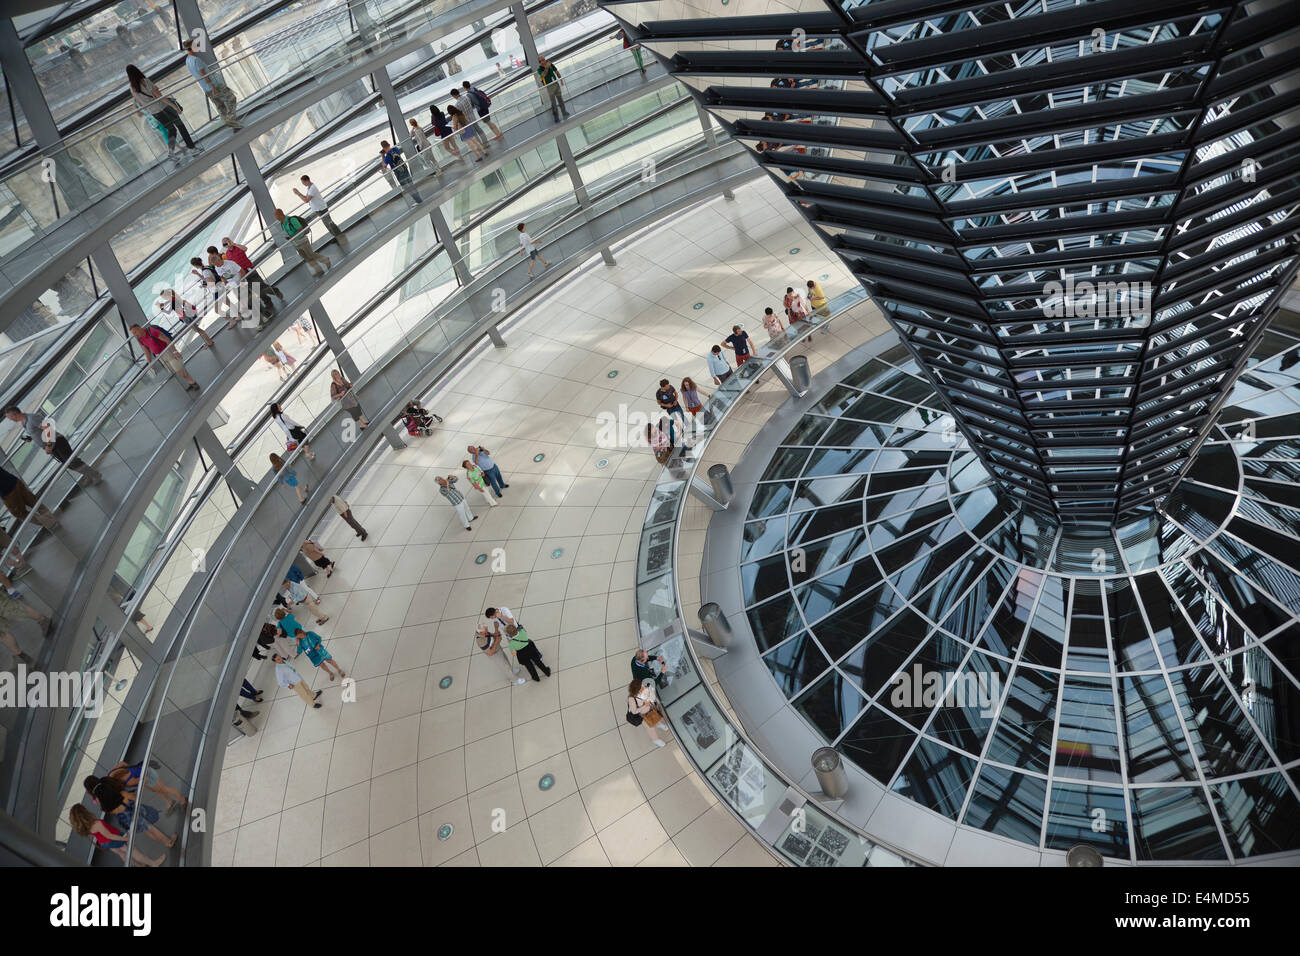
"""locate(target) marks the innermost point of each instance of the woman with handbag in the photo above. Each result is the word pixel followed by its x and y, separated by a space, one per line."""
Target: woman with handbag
pixel 641 709
pixel 341 391
pixel 164 110
pixel 490 644
pixel 294 434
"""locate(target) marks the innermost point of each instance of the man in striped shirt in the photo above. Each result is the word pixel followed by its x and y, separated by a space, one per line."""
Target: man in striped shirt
pixel 446 488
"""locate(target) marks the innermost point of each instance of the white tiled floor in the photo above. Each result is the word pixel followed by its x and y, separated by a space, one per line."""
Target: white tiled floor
pixel 370 781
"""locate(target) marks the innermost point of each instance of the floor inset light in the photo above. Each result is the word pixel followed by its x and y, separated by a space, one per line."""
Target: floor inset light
pixel 794 251
pixel 444 831
pixel 557 552
pixel 547 781
pixel 613 374
pixel 698 305
pixel 538 457
pixel 604 462
pixel 445 682
pixel 480 559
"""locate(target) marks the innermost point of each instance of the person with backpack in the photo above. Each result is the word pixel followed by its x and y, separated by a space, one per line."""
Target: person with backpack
pixel 391 158
pixel 482 105
pixel 158 343
pixel 299 233
pixel 232 274
pixel 548 77
pixel 634 47
pixel 442 126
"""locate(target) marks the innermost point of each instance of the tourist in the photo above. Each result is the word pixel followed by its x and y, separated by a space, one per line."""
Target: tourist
pixel 468 134
pixel 528 247
pixel 312 549
pixel 172 305
pixel 548 76
pixel 342 391
pixel 718 366
pixel 299 233
pixel 772 322
pixel 158 343
pixel 489 642
pixel 738 341
pixel 521 645
pixel 294 434
pixel 288 477
pixel 213 86
pixel 287 676
pixel 344 511
pixel 446 488
pixel 481 457
pixel 316 203
pixel 482 104
pixel 39 429
pixel 164 110
pixel 641 708
pixel 442 126
pixel 476 478
pixel 309 643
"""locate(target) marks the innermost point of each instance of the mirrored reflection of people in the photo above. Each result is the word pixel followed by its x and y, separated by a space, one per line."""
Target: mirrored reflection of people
pixel 19 501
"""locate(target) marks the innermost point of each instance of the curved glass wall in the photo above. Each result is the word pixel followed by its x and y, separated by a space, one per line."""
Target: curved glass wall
pixel 399 322
pixel 97 386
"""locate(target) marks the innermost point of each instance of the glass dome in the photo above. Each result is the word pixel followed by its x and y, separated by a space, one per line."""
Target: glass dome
pixel 1133 690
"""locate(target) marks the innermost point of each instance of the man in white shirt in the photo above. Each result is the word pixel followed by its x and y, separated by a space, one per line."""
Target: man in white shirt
pixel 528 247
pixel 286 676
pixel 316 203
pixel 210 81
pixel 344 511
pixel 296 592
pixel 718 366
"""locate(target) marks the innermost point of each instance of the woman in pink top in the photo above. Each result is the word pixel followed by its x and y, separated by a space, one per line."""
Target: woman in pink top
pixel 159 344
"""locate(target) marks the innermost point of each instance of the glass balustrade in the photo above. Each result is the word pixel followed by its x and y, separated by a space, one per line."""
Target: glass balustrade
pixel 175 728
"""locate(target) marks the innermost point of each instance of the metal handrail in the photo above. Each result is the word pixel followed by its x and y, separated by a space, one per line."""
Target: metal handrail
pixel 188 330
pixel 266 489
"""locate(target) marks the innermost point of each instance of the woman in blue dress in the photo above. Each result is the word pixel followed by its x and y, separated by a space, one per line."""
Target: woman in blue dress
pixel 309 643
pixel 288 477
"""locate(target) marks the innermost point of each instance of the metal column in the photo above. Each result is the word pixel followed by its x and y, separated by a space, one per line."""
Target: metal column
pixel 579 188
pixel 346 365
pixel 240 484
pixel 710 137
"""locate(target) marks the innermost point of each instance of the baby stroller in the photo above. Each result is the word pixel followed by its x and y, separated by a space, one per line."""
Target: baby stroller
pixel 421 416
pixel 415 428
